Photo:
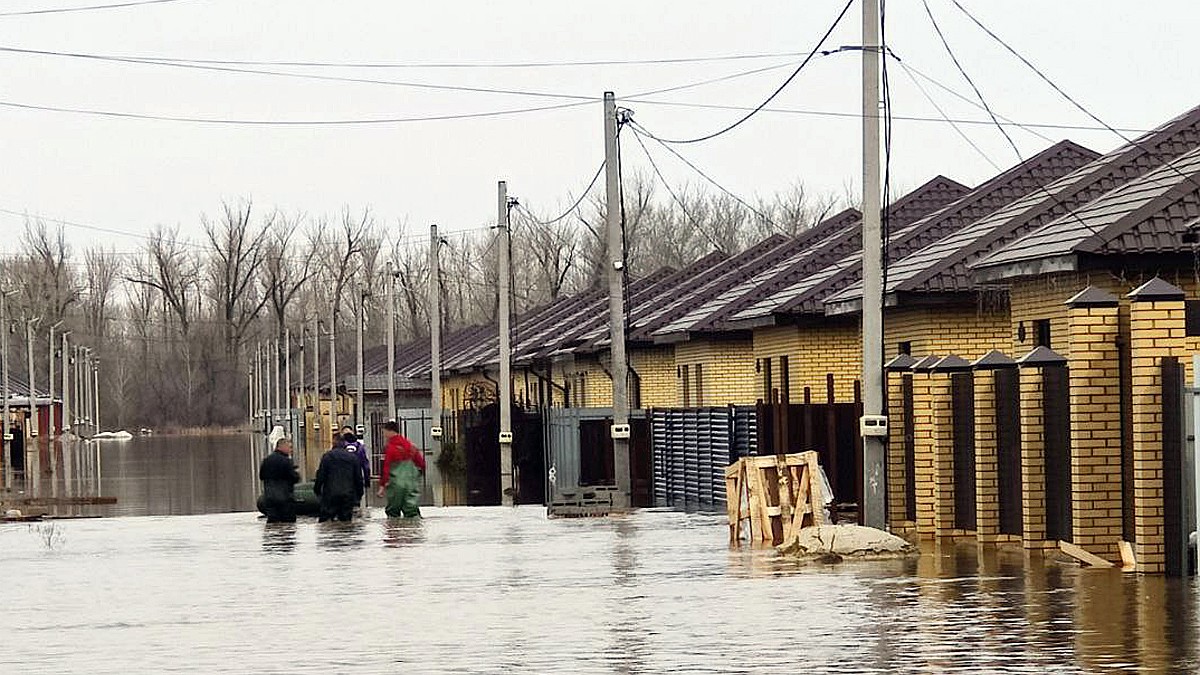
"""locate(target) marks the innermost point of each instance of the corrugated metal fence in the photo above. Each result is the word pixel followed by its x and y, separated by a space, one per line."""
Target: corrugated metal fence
pixel 692 447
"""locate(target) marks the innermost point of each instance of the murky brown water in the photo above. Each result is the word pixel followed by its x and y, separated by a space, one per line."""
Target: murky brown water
pixel 505 590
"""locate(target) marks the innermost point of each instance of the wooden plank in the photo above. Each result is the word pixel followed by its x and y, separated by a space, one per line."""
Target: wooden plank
pixel 1128 558
pixel 1078 553
pixel 802 507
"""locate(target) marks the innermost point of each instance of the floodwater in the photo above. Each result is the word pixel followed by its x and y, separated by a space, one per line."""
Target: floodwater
pixel 505 590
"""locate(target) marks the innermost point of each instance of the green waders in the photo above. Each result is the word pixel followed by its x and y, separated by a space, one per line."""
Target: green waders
pixel 403 491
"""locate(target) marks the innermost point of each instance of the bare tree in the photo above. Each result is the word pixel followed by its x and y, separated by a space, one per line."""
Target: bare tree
pixel 101 269
pixel 238 252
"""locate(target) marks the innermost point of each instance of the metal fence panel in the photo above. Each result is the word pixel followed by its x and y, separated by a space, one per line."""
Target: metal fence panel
pixel 692 447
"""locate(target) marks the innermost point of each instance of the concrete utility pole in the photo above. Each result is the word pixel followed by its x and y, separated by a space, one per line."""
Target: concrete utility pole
pixel 872 508
pixel 435 337
pixel 66 389
pixel 616 304
pixel 333 398
pixel 391 339
pixel 4 358
pixel 96 390
pixel 33 417
pixel 504 387
pixel 276 402
pixel 76 397
pixel 359 404
pixel 50 354
pixel 287 373
pixel 316 333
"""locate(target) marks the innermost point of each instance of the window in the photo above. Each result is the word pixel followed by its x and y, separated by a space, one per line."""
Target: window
pixel 687 401
pixel 699 385
pixel 1042 326
pixel 904 348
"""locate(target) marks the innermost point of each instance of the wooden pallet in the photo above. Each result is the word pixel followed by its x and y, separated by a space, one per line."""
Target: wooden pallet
pixel 781 495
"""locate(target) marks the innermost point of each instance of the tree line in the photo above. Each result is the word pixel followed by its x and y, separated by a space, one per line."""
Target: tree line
pixel 175 322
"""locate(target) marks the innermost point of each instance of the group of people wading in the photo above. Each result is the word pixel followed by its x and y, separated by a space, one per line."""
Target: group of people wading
pixel 343 477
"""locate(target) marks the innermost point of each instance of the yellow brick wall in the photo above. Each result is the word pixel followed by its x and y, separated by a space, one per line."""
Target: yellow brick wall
pixel 728 372
pixel 1033 459
pixel 813 351
pixel 968 332
pixel 896 466
pixel 923 451
pixel 656 366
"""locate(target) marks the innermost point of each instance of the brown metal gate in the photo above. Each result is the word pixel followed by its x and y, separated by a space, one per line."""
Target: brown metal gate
pixel 1056 435
pixel 1008 449
pixel 910 455
pixel 962 400
pixel 1173 483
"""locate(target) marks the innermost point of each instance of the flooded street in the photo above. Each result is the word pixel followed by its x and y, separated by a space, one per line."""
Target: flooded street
pixel 471 590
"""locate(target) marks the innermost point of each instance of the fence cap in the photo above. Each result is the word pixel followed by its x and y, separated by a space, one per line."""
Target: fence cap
pixel 1042 356
pixel 994 360
pixel 1093 297
pixel 901 362
pixel 926 364
pixel 952 364
pixel 1156 290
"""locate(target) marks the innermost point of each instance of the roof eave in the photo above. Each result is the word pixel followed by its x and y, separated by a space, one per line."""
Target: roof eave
pixel 1027 268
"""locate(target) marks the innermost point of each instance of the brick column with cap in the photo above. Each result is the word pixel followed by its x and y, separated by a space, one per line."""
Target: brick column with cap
pixel 943 441
pixel 1156 319
pixel 1094 377
pixel 987 481
pixel 923 440
pixel 898 374
pixel 1033 444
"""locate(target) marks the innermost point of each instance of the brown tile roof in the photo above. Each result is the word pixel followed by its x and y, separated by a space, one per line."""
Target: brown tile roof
pixel 943 267
pixel 1157 213
pixel 842 236
pixel 806 295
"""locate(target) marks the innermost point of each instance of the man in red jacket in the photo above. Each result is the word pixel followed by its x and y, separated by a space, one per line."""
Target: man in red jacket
pixel 403 464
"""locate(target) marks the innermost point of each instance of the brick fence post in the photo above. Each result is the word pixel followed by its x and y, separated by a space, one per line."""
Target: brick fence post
pixel 1095 422
pixel 897 373
pixel 987 481
pixel 1033 444
pixel 1156 320
pixel 923 440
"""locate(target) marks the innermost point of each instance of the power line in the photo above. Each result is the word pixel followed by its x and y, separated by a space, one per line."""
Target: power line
pixel 679 202
pixel 1169 164
pixel 572 208
pixel 946 117
pixel 807 59
pixel 88 8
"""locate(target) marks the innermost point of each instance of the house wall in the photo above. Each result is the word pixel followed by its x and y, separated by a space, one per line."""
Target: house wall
pixel 969 332
pixel 813 352
pixel 726 368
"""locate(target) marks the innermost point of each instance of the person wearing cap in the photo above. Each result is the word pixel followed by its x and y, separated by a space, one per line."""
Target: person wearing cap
pixel 400 480
pixel 279 477
pixel 356 447
pixel 339 483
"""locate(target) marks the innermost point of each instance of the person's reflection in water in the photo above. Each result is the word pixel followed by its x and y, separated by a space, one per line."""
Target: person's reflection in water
pixel 279 538
pixel 335 534
pixel 400 533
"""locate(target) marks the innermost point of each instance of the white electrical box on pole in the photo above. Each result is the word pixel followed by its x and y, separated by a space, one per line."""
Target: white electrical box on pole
pixel 872 509
pixel 615 255
pixel 504 382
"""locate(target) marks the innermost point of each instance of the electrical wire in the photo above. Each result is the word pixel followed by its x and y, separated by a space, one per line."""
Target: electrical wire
pixel 587 190
pixel 679 202
pixel 87 8
pixel 953 124
pixel 885 215
pixel 1169 163
pixel 807 59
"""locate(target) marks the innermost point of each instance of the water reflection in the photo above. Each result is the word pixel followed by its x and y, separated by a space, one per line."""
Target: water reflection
pixel 338 535
pixel 401 532
pixel 279 537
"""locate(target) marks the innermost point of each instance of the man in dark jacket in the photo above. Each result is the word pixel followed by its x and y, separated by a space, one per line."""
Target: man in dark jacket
pixel 279 477
pixel 338 484
pixel 355 445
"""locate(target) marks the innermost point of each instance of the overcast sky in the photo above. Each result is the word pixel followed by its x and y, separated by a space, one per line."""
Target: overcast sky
pixel 1131 63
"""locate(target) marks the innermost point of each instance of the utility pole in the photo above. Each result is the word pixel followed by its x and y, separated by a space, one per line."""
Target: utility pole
pixel 50 355
pixel 504 387
pixel 4 359
pixel 333 398
pixel 96 390
pixel 359 406
pixel 66 389
pixel 873 511
pixel 316 333
pixel 276 404
pixel 616 304
pixel 391 339
pixel 287 373
pixel 76 397
pixel 435 342
pixel 33 417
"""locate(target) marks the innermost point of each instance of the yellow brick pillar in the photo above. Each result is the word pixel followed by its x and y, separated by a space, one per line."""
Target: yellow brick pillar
pixel 1033 445
pixel 987 479
pixel 923 444
pixel 1156 320
pixel 1095 422
pixel 943 442
pixel 898 377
